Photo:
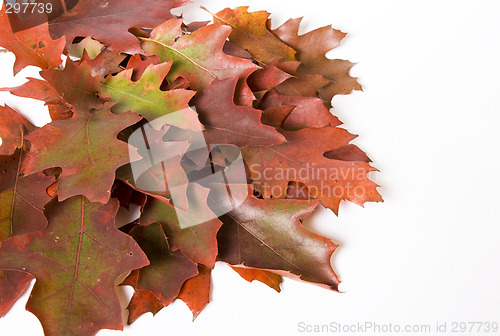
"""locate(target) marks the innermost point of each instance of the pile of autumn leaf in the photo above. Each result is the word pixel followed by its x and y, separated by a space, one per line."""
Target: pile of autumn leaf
pixel 266 92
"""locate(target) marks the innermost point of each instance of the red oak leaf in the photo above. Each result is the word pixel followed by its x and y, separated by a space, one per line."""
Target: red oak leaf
pixel 308 111
pixel 21 211
pixel 36 89
pixel 42 90
pixel 253 274
pixel 160 170
pixel 198 242
pixel 13 285
pixel 140 65
pixel 143 301
pixel 75 85
pixel 227 123
pixel 167 270
pixel 196 291
pixel 300 84
pixel 87 150
pixel 267 78
pixel 108 21
pixel 267 234
pixel 32 46
pixel 74 292
pixel 105 63
pixel 13 128
pixel 312 48
pixel 250 32
pixel 302 159
pixel 21 198
pixel 197 57
pixel 230 179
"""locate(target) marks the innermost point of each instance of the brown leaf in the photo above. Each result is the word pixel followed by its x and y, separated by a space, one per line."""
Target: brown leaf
pixel 36 89
pixel 267 234
pixel 312 48
pixel 108 21
pixel 250 32
pixel 13 285
pixel 22 199
pixel 87 46
pixel 227 123
pixel 161 174
pixel 305 85
pixel 42 90
pixel 308 112
pixel 195 292
pixel 105 63
pixel 253 274
pixel 267 78
pixel 75 85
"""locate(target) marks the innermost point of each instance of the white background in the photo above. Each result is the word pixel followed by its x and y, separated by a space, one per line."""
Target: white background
pixel 429 118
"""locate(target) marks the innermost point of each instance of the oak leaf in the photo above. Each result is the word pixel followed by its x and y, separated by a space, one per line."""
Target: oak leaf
pixel 267 78
pixel 139 65
pixel 74 292
pixel 40 89
pixel 309 112
pixel 32 46
pixel 87 150
pixel 75 85
pixel 267 234
pixel 198 242
pixel 160 170
pixel 197 57
pixel 143 301
pixel 302 159
pixel 35 88
pixel 196 291
pixel 227 123
pixel 22 200
pixel 250 32
pixel 167 270
pixel 253 274
pixel 105 63
pixel 108 21
pixel 13 128
pixel 312 48
pixel 129 181
pixel 300 84
pixel 87 46
pixel 145 97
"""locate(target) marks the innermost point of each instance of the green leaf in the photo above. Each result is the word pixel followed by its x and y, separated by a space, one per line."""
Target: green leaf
pixel 145 98
pixel 197 57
